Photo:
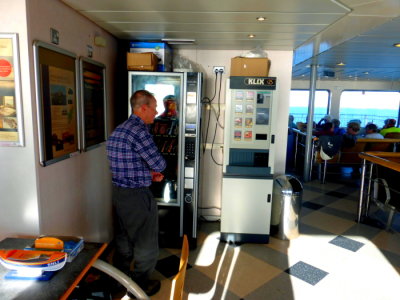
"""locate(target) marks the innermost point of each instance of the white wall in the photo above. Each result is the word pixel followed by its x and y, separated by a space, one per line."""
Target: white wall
pixel 281 67
pixel 73 196
pixel 18 191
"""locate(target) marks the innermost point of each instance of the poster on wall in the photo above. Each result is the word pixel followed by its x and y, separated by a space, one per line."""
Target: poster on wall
pixel 56 97
pixel 93 103
pixel 11 127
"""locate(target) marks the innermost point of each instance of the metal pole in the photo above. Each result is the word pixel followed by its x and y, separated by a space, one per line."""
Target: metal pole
pixel 308 150
pixel 312 158
pixel 295 150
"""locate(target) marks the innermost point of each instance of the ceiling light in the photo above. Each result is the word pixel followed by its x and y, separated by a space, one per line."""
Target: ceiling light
pixel 179 41
pixel 261 18
pixel 251 36
pixel 341 64
pixel 396 45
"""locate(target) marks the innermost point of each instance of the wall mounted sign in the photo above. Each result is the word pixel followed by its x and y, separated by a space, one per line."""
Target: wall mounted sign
pixel 93 103
pixel 11 127
pixel 56 96
pixel 255 83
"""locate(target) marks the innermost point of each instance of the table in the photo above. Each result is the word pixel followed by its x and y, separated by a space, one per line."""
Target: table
pixel 61 284
pixel 64 281
pixel 389 160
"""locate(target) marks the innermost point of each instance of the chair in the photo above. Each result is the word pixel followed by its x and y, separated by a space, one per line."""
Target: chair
pixel 329 151
pixel 392 135
pixel 383 202
pixel 179 279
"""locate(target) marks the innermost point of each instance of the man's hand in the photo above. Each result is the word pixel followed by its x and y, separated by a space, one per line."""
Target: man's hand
pixel 157 176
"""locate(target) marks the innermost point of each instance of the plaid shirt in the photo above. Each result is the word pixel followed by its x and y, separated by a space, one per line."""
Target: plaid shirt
pixel 133 154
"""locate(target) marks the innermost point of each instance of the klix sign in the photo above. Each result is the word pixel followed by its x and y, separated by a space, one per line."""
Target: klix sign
pixel 252 83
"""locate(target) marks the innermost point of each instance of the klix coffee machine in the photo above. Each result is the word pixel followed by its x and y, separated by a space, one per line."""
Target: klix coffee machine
pixel 176 131
pixel 248 159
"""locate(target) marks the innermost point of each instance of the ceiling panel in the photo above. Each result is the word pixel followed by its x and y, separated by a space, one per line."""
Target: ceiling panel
pixel 284 6
pixel 213 17
pixel 323 32
pixel 210 27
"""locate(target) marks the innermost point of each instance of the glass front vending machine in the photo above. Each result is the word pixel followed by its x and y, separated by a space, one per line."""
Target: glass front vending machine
pixel 176 132
pixel 248 159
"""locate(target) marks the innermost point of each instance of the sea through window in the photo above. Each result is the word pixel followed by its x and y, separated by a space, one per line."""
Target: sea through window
pixel 298 106
pixel 369 107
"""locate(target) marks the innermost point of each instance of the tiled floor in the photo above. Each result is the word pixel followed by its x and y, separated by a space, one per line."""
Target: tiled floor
pixel 333 258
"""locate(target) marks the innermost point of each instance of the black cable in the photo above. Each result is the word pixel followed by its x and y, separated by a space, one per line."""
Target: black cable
pixel 216 124
pixel 215 91
pixel 219 101
pixel 208 102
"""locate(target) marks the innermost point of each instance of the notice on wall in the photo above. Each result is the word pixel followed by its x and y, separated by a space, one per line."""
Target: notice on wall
pixel 93 100
pixel 9 125
pixel 63 111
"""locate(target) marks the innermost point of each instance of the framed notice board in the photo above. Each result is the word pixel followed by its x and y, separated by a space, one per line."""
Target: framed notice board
pixel 93 103
pixel 57 106
pixel 11 127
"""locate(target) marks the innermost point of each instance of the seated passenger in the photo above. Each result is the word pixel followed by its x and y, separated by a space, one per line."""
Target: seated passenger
pixel 389 127
pixel 350 137
pixel 337 130
pixel 291 122
pixel 325 119
pixel 371 131
pixel 327 129
pixel 361 132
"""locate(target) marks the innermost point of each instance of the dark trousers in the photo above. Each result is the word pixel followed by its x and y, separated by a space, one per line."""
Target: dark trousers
pixel 136 231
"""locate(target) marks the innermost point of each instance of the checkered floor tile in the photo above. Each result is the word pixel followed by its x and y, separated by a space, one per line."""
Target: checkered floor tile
pixel 332 251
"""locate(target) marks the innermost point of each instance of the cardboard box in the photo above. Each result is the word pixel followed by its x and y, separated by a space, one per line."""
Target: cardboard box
pixel 246 66
pixel 162 50
pixel 142 61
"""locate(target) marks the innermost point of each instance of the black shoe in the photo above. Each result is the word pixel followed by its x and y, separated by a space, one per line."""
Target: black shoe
pixel 150 287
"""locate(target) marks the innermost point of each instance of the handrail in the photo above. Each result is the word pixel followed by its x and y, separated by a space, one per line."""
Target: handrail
pixel 379 158
pixel 299 131
pixel 363 140
pixel 298 143
pixel 378 140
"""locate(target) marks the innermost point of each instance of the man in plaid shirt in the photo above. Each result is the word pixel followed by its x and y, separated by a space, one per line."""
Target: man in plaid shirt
pixel 135 162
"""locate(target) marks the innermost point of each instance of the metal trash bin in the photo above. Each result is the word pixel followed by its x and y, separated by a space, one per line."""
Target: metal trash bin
pixel 286 204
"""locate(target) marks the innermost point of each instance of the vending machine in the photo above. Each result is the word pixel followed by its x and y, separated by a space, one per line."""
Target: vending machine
pixel 176 132
pixel 248 159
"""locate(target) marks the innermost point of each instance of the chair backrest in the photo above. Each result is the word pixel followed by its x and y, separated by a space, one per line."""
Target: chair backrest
pixel 382 147
pixel 392 135
pixel 179 279
pixel 350 154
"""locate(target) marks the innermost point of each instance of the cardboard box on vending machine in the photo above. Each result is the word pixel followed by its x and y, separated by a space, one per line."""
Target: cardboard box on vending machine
pixel 161 50
pixel 141 61
pixel 250 66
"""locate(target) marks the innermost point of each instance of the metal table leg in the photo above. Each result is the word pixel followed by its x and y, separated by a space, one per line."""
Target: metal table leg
pixel 367 204
pixel 360 201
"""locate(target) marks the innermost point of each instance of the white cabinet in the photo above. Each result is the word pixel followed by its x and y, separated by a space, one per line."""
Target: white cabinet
pixel 246 209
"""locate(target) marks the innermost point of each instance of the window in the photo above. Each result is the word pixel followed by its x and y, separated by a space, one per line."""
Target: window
pixel 298 106
pixel 368 106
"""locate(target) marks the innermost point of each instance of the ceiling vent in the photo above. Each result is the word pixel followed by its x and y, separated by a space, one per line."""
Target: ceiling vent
pixel 328 73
